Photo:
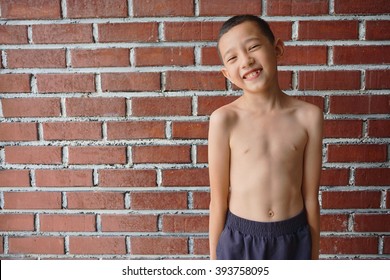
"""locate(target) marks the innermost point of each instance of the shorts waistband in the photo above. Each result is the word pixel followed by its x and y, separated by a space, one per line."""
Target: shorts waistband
pixel 266 228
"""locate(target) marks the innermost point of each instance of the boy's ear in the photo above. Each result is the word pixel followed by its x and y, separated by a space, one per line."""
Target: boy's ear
pixel 279 48
pixel 225 73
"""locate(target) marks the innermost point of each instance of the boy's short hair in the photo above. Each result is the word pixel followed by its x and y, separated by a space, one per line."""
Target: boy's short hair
pixel 236 20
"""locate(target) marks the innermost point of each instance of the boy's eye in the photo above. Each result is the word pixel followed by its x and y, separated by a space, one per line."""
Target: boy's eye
pixel 231 58
pixel 254 47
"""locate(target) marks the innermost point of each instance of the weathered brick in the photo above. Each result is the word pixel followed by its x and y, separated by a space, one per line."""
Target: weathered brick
pixel 101 57
pixel 128 32
pixel 131 81
pixel 228 8
pixel 372 177
pixel 67 223
pixel 97 155
pixel 13 34
pixel 180 56
pixel 161 106
pixel 97 245
pixel 377 79
pixel 26 9
pixel 159 245
pixel 102 107
pixel 36 58
pixel 201 154
pixel 135 130
pixel 63 178
pixel 343 128
pixel 176 81
pixel 372 222
pixel 36 245
pixel 72 131
pixel 307 55
pixel 367 104
pixel 379 128
pixel 351 199
pixel 96 8
pixel 334 222
pixel 62 33
pixel 95 200
pixel 161 154
pixel 297 8
pixel 201 246
pixel 334 177
pixel 190 130
pixel 31 107
pixel 163 8
pixel 378 30
pixel 65 83
pixel 348 245
pixel 185 177
pixel 158 200
pixel 328 30
pixel 357 153
pixel 201 200
pixel 33 155
pixel 14 83
pixel 129 223
pixel 18 131
pixel 361 54
pixel 192 31
pixel 32 200
pixel 17 222
pixel 14 178
pixel 329 80
pixel 361 7
pixel 127 178
pixel 185 223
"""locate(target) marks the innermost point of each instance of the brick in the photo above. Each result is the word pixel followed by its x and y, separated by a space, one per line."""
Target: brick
pixel 14 178
pixel 285 80
pixel 361 7
pixel 208 104
pixel 185 177
pixel 1 245
pixel 372 222
pixel 176 81
pixel 372 177
pixel 65 83
pixel 102 107
pixel 127 178
pixel 329 80
pixel 328 30
pixel 386 246
pixel 297 7
pixel 161 154
pixel 135 130
pixel 361 54
pixel 95 200
pixel 334 177
pixel 371 104
pixel 185 223
pixel 63 178
pixel 131 82
pixel 192 31
pixel 209 56
pixel 67 223
pixel 379 128
pixel 16 222
pixel 36 245
pixel 97 245
pixel 343 128
pixel 14 83
pixel 202 154
pixel 179 56
pixel 229 8
pixel 72 131
pixel 158 200
pixel 31 107
pixel 159 245
pixel 26 9
pixel 18 131
pixel 62 33
pixel 190 130
pixel 163 8
pixel 201 200
pixel 281 29
pixel 101 57
pixel 201 246
pixel 36 58
pixel 33 155
pixel 348 245
pixel 357 153
pixel 128 32
pixel 307 55
pixel 32 200
pixel 334 223
pixel 351 200
pixel 161 106
pixel 129 223
pixel 97 155
pixel 13 34
pixel 377 79
pixel 378 30
pixel 96 8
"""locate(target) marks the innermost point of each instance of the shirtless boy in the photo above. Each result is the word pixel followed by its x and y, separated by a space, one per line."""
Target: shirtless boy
pixel 265 154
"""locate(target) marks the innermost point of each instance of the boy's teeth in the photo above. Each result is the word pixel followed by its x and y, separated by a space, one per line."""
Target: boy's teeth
pixel 252 74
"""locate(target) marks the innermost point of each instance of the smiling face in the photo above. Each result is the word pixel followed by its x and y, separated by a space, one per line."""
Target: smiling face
pixel 250 58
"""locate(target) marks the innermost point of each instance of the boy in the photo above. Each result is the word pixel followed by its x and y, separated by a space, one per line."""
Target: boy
pixel 265 154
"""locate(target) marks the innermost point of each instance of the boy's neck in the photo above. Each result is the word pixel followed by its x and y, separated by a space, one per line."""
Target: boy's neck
pixel 265 101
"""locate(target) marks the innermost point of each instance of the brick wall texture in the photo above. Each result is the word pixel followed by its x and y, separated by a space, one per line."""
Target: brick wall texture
pixel 104 108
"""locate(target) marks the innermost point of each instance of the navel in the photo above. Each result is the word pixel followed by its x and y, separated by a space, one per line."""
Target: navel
pixel 271 213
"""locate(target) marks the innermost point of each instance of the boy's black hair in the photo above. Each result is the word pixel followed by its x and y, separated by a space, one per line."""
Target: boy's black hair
pixel 236 20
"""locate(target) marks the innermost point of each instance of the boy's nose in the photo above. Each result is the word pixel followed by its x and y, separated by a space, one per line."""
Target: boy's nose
pixel 247 61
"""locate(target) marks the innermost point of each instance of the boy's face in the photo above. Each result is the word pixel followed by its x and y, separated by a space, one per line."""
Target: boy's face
pixel 249 58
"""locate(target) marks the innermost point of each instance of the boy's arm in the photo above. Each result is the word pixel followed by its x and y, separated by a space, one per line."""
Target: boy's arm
pixel 219 164
pixel 311 176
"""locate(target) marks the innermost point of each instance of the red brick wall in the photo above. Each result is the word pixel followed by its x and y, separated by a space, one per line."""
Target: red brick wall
pixel 104 117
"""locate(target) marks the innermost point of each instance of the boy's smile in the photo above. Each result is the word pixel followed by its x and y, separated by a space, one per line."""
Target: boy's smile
pixel 249 58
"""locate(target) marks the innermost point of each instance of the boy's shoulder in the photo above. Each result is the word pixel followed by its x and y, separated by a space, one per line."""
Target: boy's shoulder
pixel 306 112
pixel 225 114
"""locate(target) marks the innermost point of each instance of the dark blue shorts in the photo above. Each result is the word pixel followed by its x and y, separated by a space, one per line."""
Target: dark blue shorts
pixel 243 239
